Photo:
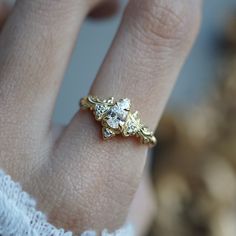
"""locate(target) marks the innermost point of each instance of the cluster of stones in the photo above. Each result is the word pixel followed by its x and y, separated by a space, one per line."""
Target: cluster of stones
pixel 117 118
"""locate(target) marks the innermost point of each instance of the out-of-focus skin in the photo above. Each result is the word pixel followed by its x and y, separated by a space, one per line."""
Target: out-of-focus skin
pixel 143 208
pixel 5 10
pixel 79 180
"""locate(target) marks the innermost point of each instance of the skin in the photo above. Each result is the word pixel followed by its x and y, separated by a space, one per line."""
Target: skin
pixel 80 181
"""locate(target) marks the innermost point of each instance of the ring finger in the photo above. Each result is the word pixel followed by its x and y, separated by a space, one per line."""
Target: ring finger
pixel 143 63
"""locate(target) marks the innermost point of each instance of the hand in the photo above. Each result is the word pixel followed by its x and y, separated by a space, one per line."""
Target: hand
pixel 79 180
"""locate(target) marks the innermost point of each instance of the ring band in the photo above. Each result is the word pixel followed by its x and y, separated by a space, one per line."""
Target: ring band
pixel 116 118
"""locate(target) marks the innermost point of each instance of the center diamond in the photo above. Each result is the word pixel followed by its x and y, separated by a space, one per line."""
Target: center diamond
pixel 116 116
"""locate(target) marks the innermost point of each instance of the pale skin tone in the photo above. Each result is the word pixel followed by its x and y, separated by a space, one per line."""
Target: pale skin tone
pixel 80 181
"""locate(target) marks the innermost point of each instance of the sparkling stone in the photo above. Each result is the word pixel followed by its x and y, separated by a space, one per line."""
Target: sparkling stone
pixel 131 127
pixel 107 133
pixel 113 123
pixel 116 116
pixel 100 110
pixel 124 104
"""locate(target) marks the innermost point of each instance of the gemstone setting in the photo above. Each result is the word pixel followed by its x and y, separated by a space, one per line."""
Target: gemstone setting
pixel 116 118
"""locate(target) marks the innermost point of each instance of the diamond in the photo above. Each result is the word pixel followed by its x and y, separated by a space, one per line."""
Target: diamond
pixel 113 123
pixel 117 115
pixel 132 124
pixel 131 127
pixel 100 110
pixel 124 104
pixel 107 133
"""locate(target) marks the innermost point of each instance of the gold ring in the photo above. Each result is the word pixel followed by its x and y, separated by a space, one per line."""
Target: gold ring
pixel 116 118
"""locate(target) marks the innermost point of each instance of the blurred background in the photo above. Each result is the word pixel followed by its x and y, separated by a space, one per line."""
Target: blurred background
pixel 193 168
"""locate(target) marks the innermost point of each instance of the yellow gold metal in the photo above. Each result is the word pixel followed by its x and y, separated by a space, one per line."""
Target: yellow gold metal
pixel 116 118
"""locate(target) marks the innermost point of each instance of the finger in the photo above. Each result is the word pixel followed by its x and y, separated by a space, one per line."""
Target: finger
pixel 143 63
pixel 35 46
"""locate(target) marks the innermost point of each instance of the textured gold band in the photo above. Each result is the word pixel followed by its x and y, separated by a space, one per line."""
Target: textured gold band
pixel 116 118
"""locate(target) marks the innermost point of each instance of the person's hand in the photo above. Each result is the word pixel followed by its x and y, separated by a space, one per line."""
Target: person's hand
pixel 78 179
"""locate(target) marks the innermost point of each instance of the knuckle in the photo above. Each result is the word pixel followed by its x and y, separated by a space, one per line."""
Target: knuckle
pixel 164 23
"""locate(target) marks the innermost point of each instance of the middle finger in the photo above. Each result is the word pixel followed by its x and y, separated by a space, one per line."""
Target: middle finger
pixel 142 64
